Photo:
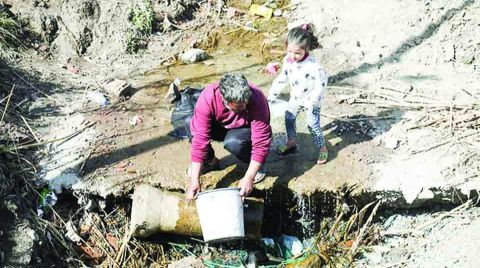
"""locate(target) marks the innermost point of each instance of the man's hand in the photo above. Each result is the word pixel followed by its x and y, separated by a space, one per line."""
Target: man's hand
pixel 246 187
pixel 193 190
pixel 194 187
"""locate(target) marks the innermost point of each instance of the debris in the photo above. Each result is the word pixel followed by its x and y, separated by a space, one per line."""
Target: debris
pixel 43 48
pixel 122 165
pixel 291 246
pixel 91 253
pixel 194 55
pixel 135 120
pixel 268 243
pixel 173 94
pixel 278 13
pixel 72 233
pixel 72 68
pixel 273 67
pixel 98 98
pixel 113 241
pixel 232 12
pixel 48 199
pixel 193 43
pixel 250 26
pixel 131 171
pixel 117 88
pixel 263 11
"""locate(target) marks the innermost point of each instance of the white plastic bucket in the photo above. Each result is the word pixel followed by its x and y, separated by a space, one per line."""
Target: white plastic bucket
pixel 221 214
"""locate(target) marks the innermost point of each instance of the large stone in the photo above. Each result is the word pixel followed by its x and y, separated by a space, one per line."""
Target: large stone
pixel 194 55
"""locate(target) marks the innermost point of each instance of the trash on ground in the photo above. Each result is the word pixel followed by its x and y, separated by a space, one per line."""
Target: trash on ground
pixel 173 93
pixel 113 241
pixel 263 11
pixel 72 233
pixel 122 166
pixel 278 13
pixel 135 120
pixel 251 26
pixel 97 98
pixel 194 55
pixel 183 109
pixel 232 12
pixel 72 68
pixel 48 199
pixel 43 48
pixel 117 88
pixel 291 246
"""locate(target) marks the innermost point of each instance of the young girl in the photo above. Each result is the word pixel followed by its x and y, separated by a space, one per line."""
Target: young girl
pixel 307 81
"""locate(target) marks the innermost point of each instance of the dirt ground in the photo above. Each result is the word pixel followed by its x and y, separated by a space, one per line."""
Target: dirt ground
pixel 400 118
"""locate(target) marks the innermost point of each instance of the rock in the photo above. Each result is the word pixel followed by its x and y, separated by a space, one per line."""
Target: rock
pixel 277 13
pixel 117 88
pixel 194 55
pixel 187 262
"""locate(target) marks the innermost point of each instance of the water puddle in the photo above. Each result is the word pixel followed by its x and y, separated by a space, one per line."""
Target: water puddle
pixel 231 49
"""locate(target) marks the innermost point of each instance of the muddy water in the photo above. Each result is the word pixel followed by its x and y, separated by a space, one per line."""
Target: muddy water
pixel 231 49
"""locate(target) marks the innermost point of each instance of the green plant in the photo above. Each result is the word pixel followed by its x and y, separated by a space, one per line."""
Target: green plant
pixel 141 17
pixel 10 31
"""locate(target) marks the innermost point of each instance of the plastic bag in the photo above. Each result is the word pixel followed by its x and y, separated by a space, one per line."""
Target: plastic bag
pixel 183 108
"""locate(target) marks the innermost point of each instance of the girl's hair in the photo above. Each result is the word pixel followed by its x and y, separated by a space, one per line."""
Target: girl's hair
pixel 303 37
pixel 234 88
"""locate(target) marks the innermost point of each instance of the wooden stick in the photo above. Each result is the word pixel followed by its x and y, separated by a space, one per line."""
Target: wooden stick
pixel 290 5
pixel 363 231
pixel 6 105
pixel 342 118
pixel 50 141
pixel 80 171
pixel 126 239
pixel 34 87
pixel 438 144
pixel 461 207
pixel 30 129
pixel 470 94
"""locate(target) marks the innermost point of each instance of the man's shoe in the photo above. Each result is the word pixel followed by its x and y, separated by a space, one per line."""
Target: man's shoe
pixel 261 174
